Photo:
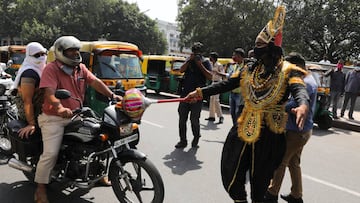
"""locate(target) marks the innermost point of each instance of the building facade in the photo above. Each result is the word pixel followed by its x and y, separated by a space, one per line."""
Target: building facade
pixel 172 35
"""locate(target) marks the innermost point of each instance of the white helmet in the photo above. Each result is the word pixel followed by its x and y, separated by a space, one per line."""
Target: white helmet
pixel 64 43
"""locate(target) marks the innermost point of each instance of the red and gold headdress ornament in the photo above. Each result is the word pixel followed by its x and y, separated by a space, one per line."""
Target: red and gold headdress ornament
pixel 273 29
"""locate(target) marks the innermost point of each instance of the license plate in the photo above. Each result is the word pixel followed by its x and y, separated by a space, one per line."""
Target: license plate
pixel 126 140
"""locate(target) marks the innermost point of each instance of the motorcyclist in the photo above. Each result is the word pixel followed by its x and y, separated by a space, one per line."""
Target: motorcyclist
pixel 66 72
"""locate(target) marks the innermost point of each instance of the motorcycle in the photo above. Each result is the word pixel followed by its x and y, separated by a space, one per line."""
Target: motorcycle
pixel 93 148
pixel 8 112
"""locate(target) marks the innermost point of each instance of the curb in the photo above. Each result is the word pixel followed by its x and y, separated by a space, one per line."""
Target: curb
pixel 346 125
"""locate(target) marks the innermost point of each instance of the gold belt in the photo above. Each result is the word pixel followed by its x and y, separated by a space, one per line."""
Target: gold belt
pixel 251 121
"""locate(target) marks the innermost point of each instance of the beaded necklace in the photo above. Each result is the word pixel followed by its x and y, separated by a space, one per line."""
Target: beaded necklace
pixel 257 82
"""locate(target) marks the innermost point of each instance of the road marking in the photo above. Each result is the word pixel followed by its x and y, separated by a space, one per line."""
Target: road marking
pixel 332 185
pixel 153 124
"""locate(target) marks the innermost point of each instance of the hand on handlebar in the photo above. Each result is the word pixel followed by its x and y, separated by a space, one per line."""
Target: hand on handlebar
pixel 117 97
pixel 65 112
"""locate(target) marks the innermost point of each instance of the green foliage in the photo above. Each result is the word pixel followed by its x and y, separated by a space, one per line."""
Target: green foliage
pixel 319 27
pixel 312 27
pixel 223 25
pixel 46 20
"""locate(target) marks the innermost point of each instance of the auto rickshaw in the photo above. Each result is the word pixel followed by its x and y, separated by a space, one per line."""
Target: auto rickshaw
pixel 322 116
pixel 162 73
pixel 117 64
pixel 13 56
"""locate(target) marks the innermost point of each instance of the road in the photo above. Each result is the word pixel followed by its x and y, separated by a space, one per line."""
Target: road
pixel 330 164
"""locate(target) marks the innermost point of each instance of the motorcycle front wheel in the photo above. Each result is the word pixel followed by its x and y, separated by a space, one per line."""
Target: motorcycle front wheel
pixel 146 184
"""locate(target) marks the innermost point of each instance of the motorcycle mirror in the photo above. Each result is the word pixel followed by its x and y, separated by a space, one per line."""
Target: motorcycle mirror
pixel 65 94
pixel 62 94
pixel 9 63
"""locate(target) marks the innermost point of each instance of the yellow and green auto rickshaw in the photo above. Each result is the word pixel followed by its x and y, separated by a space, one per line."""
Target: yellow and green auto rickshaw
pixel 162 73
pixel 117 64
pixel 13 56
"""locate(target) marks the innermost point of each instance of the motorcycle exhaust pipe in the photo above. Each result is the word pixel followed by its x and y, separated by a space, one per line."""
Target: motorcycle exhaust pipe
pixel 14 163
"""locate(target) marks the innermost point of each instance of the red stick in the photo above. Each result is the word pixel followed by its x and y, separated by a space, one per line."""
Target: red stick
pixel 170 100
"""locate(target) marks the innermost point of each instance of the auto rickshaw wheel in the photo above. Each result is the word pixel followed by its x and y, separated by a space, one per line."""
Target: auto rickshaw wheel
pixel 325 122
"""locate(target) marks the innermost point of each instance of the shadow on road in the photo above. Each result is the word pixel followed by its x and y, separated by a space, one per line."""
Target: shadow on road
pixel 23 191
pixel 181 161
pixel 331 131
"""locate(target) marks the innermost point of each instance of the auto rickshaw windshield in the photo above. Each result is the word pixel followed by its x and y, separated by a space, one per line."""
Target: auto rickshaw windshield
pixel 177 65
pixel 121 66
pixel 17 57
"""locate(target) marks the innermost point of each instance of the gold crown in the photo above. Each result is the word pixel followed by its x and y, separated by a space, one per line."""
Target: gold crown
pixel 273 27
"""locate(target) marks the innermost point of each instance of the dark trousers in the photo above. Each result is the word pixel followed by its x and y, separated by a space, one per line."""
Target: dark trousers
pixel 260 159
pixel 194 109
pixel 335 97
pixel 352 97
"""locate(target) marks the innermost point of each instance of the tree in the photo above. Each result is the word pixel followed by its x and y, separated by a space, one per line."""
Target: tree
pixel 324 27
pixel 312 27
pixel 8 23
pixel 46 20
pixel 223 25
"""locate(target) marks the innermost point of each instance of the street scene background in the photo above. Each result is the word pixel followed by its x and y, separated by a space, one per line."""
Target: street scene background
pixel 330 165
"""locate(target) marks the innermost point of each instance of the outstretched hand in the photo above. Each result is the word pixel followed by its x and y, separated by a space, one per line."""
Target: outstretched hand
pixel 301 113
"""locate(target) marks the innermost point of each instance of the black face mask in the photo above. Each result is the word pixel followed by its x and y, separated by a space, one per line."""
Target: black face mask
pixel 259 52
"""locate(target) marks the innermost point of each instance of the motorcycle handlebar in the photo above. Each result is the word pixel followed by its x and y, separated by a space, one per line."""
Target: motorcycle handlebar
pixel 76 111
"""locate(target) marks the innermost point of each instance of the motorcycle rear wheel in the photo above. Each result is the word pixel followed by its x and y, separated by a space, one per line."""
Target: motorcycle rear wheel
pixel 145 179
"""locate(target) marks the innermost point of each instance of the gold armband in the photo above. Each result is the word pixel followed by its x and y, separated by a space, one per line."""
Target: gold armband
pixel 199 92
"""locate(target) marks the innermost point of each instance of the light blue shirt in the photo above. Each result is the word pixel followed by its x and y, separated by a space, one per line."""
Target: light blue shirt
pixel 311 88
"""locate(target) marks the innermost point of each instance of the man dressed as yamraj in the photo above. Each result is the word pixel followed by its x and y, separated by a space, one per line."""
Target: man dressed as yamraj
pixel 257 144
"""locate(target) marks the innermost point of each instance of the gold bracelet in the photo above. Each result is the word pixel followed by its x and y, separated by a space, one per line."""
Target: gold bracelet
pixel 199 92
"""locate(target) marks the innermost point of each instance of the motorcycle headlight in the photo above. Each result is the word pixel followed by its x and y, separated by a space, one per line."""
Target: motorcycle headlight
pixel 125 129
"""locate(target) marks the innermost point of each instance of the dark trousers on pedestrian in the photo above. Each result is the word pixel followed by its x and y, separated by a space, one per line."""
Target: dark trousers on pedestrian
pixel 194 109
pixel 260 159
pixel 335 97
pixel 352 96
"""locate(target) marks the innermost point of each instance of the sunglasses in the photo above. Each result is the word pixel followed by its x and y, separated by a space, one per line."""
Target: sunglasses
pixel 37 55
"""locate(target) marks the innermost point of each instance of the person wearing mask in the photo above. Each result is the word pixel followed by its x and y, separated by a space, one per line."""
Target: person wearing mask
pixel 295 140
pixel 29 97
pixel 352 89
pixel 217 74
pixel 66 72
pixel 236 99
pixel 196 71
pixel 257 143
pixel 337 84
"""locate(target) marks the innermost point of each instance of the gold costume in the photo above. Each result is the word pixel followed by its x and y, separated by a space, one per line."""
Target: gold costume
pixel 263 100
